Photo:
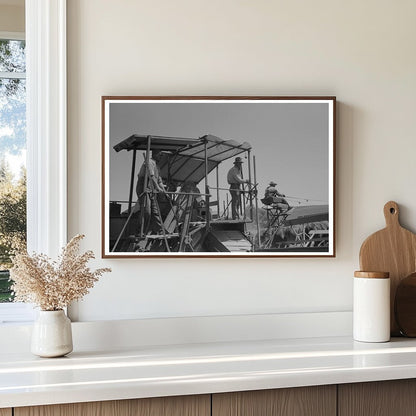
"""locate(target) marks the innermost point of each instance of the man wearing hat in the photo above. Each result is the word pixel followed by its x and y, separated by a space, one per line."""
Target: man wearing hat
pixel 147 200
pixel 273 197
pixel 235 180
pixel 270 192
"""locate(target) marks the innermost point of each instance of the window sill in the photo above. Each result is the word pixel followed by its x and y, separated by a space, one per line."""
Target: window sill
pixel 16 313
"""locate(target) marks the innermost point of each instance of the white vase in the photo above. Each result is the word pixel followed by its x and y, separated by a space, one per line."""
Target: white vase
pixel 52 334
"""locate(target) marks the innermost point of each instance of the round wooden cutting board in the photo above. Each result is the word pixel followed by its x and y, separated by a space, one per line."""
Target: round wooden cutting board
pixel 392 250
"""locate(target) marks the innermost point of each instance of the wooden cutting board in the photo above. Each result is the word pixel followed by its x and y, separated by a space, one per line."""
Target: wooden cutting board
pixel 392 250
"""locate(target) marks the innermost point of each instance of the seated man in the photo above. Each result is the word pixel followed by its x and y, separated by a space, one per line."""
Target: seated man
pixel 272 197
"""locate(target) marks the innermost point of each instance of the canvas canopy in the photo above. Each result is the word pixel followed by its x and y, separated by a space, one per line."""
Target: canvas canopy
pixel 184 159
pixel 139 142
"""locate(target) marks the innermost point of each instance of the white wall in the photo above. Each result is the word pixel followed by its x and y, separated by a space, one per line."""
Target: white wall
pixel 361 51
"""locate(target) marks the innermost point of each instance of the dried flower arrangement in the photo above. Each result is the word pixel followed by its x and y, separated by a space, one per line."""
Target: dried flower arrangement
pixel 52 285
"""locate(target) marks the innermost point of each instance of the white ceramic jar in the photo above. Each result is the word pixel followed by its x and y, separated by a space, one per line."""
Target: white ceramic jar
pixel 371 307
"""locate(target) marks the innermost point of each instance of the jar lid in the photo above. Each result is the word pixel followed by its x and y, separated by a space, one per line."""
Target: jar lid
pixel 372 275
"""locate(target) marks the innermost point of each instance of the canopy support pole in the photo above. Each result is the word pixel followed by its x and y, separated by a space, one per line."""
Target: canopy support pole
pixel 206 186
pixel 250 185
pixel 218 192
pixel 145 190
pixel 133 169
pixel 257 205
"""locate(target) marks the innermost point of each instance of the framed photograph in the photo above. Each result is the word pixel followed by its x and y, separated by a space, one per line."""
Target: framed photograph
pixel 218 176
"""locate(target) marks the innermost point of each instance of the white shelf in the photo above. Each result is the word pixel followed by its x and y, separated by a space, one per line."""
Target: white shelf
pixel 150 371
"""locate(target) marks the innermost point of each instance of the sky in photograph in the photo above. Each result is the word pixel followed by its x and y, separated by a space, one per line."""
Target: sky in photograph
pixel 289 141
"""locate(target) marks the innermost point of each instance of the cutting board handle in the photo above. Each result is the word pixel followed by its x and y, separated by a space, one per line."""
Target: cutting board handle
pixel 391 214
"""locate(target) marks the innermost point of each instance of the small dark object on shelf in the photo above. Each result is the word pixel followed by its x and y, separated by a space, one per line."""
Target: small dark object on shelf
pixel 405 306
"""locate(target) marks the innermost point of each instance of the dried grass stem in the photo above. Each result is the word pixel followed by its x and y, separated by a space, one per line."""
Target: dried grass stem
pixel 53 285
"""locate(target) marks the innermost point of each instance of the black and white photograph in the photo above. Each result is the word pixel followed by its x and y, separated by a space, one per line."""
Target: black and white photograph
pixel 218 176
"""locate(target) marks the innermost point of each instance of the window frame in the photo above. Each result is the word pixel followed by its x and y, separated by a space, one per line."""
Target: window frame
pixel 12 35
pixel 46 123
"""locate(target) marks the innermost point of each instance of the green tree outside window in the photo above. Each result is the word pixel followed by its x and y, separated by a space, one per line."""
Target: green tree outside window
pixel 12 155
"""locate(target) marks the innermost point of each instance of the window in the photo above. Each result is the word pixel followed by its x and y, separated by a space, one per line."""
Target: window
pixel 12 155
pixel 46 135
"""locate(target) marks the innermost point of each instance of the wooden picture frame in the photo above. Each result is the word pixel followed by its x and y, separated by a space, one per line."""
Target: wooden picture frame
pixel 221 176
